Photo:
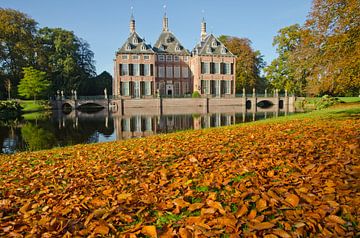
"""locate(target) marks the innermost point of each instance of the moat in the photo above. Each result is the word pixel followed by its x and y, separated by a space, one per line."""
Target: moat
pixel 58 129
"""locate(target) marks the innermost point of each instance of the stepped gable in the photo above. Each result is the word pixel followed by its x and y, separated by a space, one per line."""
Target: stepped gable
pixel 212 46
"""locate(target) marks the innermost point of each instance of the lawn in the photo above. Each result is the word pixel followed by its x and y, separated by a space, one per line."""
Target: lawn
pixel 287 177
pixel 34 106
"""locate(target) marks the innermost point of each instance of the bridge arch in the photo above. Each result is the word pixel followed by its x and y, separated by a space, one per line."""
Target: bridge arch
pixel 248 104
pixel 67 107
pixel 265 104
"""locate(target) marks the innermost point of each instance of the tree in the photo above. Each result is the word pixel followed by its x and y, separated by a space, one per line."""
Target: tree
pixel 281 72
pixel 96 85
pixel 17 44
pixel 33 84
pixel 330 48
pixel 7 84
pixel 248 63
pixel 66 58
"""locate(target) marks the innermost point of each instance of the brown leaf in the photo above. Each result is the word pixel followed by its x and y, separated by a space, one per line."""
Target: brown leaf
pixel 149 231
pixel 261 205
pixel 242 211
pixel 263 226
pixel 101 229
pixel 195 206
pixel 252 214
pixel 336 219
pixel 292 199
pixel 281 233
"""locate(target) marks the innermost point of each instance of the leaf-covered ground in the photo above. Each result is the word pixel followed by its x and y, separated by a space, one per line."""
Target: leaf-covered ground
pixel 289 179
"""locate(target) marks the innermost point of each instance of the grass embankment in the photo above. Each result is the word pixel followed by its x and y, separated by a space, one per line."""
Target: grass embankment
pixel 34 106
pixel 297 176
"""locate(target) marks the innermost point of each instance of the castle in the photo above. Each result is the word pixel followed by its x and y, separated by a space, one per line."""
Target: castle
pixel 168 69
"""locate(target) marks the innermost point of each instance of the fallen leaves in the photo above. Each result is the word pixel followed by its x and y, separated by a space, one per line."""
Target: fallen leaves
pixel 270 180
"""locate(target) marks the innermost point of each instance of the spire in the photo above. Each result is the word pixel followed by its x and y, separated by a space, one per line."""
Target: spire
pixel 165 26
pixel 132 21
pixel 203 29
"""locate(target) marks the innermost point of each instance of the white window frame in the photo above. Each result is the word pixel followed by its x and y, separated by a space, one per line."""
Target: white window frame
pixel 169 72
pixel 136 69
pixel 135 40
pixel 169 58
pixel 124 57
pixel 176 58
pixel 208 50
pixel 176 71
pixel 186 58
pixel 161 58
pixel 128 47
pixel 146 57
pixel 147 70
pixel 135 57
pixel 143 48
pixel 214 43
pixel 161 72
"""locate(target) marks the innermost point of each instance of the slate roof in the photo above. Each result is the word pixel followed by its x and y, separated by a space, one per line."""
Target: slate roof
pixel 167 43
pixel 135 45
pixel 211 46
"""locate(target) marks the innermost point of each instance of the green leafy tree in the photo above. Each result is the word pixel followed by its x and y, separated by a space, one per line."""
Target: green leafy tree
pixel 248 63
pixel 33 84
pixel 66 58
pixel 281 71
pixel 96 85
pixel 17 44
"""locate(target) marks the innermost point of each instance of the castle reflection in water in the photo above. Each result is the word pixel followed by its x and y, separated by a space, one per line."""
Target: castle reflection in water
pixel 133 126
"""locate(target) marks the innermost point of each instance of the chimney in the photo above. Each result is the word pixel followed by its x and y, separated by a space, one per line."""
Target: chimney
pixel 132 24
pixel 203 29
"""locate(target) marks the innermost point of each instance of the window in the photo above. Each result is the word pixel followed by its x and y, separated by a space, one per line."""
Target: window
pixel 135 40
pixel 208 50
pixel 186 58
pixel 205 68
pixel 161 72
pixel 176 58
pixel 161 58
pixel 216 68
pixel 177 48
pixel 169 58
pixel 169 72
pixel 177 72
pixel 124 57
pixel 185 72
pixel 143 47
pixel 124 69
pixel 214 43
pixel 137 89
pixel 136 69
pixel 128 47
pixel 223 50
pixel 125 88
pixel 135 57
pixel 147 88
pixel 146 57
pixel 228 87
pixel 146 70
pixel 227 69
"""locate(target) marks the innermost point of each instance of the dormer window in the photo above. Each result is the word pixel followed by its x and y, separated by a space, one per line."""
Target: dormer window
pixel 143 47
pixel 128 47
pixel 135 40
pixel 208 50
pixel 214 43
pixel 169 39
pixel 223 50
pixel 177 48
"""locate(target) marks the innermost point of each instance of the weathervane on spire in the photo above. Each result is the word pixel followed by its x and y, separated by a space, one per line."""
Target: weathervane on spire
pixel 164 6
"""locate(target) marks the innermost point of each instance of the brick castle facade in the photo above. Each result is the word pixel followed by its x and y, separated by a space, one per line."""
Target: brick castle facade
pixel 168 69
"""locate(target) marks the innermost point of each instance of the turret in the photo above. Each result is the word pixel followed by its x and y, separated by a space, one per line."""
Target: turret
pixel 165 26
pixel 132 24
pixel 203 30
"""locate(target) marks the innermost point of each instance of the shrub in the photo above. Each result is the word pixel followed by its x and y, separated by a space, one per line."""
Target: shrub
pixel 196 94
pixel 9 109
pixel 325 102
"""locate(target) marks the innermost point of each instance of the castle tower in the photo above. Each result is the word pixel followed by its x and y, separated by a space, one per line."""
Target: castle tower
pixel 132 24
pixel 165 26
pixel 203 30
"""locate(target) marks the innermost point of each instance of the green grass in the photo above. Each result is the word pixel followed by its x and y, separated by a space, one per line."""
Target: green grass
pixel 34 106
pixel 349 99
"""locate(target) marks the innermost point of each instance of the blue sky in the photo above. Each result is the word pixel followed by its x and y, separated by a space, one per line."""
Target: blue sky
pixel 105 24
